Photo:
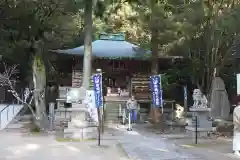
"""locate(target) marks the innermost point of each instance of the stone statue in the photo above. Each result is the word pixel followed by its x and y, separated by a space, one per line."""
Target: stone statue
pixel 236 132
pixel 179 112
pixel 219 104
pixel 179 115
pixel 199 99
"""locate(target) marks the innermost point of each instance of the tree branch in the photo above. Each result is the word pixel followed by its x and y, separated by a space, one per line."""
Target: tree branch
pixel 5 80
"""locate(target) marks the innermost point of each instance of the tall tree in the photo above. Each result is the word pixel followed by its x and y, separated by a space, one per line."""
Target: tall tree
pixel 98 6
pixel 213 33
pixel 87 61
pixel 158 18
pixel 28 28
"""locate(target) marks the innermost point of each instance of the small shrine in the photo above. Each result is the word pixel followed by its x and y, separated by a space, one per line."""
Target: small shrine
pixel 126 69
pixel 126 66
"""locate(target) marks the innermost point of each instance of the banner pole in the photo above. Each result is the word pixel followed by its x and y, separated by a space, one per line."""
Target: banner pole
pixel 99 126
pixel 185 99
pixel 103 101
pixel 162 120
pixel 162 116
pixel 97 81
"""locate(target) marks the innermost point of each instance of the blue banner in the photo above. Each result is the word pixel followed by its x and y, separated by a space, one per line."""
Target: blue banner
pixel 156 90
pixel 97 85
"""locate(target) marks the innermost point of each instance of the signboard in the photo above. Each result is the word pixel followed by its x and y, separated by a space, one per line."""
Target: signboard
pixel 90 99
pixel 113 37
pixel 156 90
pixel 90 102
pixel 97 85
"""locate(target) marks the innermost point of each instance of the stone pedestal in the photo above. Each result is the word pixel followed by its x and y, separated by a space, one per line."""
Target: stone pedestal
pixel 204 125
pixel 79 127
pixel 176 126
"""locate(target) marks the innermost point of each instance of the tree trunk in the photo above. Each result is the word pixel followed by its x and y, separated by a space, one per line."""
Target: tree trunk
pixel 39 82
pixel 154 112
pixel 87 64
pixel 154 43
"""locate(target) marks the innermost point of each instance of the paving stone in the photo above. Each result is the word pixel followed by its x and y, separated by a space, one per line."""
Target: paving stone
pixel 19 147
pixel 149 147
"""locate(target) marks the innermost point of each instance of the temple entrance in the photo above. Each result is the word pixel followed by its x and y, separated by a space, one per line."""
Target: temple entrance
pixel 116 81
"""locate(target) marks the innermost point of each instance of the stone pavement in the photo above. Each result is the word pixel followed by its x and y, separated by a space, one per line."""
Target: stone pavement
pixel 209 149
pixel 174 146
pixel 150 147
pixel 117 143
pixel 34 147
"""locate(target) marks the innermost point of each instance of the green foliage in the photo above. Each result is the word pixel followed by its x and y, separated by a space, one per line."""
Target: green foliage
pixel 120 16
pixel 24 24
pixel 165 81
pixel 204 32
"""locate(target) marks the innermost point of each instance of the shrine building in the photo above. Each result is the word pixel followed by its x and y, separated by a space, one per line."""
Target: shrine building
pixel 124 65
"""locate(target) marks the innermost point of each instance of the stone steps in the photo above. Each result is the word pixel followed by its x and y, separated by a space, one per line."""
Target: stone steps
pixel 110 117
pixel 112 114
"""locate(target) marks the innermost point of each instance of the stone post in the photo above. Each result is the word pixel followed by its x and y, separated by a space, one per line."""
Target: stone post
pixel 51 116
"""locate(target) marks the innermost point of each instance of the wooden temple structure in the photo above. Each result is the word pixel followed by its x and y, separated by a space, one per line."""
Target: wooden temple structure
pixel 124 65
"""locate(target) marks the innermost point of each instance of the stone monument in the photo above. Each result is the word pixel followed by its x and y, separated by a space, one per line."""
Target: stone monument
pixel 80 127
pixel 179 114
pixel 200 112
pixel 178 120
pixel 220 106
pixel 236 131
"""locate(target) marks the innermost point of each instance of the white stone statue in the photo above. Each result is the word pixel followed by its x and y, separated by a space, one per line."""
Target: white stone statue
pixel 199 99
pixel 179 112
pixel 236 131
pixel 179 115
